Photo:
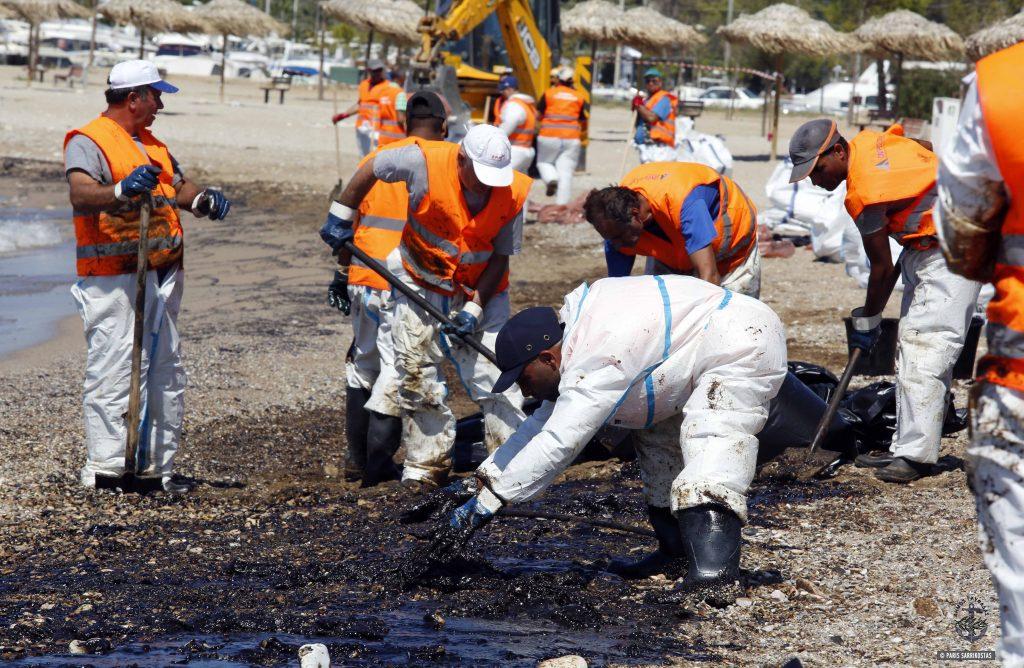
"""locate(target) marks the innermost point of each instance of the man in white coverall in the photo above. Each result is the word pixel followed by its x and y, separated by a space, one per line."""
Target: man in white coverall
pixel 465 217
pixel 980 220
pixel 110 163
pixel 690 364
pixel 518 120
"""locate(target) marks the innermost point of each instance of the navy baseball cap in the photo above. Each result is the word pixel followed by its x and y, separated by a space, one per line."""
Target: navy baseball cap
pixel 525 336
pixel 508 81
pixel 808 143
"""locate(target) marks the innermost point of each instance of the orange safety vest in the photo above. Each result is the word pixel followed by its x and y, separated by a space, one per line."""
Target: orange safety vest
pixel 663 131
pixel 443 248
pixel 108 242
pixel 389 130
pixel 496 109
pixel 887 167
pixel 1001 94
pixel 665 186
pixel 525 132
pixel 562 107
pixel 382 215
pixel 369 102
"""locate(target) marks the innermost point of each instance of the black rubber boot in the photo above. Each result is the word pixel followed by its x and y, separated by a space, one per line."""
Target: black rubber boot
pixel 711 545
pixel 383 437
pixel 873 460
pixel 666 560
pixel 357 420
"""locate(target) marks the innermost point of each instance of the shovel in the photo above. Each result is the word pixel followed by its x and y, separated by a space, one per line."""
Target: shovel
pixel 340 185
pixel 129 481
pixel 434 312
pixel 812 470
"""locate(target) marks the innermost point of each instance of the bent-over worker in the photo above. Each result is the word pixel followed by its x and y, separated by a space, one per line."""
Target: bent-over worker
pixel 465 218
pixel 890 190
pixel 110 162
pixel 367 106
pixel 563 113
pixel 372 416
pixel 690 365
pixel 686 219
pixel 655 135
pixel 981 171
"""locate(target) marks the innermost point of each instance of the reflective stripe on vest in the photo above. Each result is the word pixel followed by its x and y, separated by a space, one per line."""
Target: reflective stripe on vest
pixel 886 167
pixel 663 131
pixel 378 231
pixel 561 118
pixel 524 133
pixel 108 241
pixel 666 186
pixel 1001 97
pixel 369 102
pixel 389 130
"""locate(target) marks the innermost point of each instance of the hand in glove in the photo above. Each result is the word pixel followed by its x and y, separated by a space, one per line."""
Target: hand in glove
pixel 866 330
pixel 638 101
pixel 339 117
pixel 466 320
pixel 441 502
pixel 212 204
pixel 337 293
pixel 338 228
pixel 142 180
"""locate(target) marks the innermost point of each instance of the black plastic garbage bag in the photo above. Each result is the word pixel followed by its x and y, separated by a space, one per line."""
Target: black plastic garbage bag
pixel 821 381
pixel 875 406
pixel 793 418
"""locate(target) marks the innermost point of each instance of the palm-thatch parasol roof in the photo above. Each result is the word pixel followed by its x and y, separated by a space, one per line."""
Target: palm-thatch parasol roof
pixel 647 27
pixel 397 19
pixel 595 21
pixel 1004 34
pixel 783 28
pixel 6 13
pixel 151 15
pixel 37 11
pixel 355 13
pixel 909 34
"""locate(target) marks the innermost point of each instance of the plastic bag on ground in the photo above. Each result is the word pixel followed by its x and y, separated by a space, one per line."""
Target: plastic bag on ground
pixel 694 146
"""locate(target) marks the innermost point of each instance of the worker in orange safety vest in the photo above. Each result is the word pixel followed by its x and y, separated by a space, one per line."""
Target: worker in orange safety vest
pixel 111 164
pixel 562 110
pixel 367 107
pixel 980 221
pixel 890 192
pixel 655 135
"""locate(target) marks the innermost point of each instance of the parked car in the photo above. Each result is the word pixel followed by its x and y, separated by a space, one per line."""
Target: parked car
pixel 738 98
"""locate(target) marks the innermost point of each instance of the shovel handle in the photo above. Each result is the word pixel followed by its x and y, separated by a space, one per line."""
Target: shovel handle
pixel 415 298
pixel 135 387
pixel 833 404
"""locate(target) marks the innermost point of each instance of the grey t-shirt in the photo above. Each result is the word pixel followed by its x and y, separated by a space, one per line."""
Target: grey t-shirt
pixel 82 154
pixel 408 164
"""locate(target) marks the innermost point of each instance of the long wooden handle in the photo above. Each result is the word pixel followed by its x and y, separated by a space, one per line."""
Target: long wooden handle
pixel 131 447
pixel 436 313
pixel 833 404
pixel 625 149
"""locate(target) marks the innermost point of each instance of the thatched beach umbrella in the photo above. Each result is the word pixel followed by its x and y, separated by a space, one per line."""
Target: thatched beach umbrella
pixel 781 29
pixel 35 12
pixel 150 16
pixel 397 19
pixel 1004 34
pixel 649 28
pixel 904 33
pixel 355 13
pixel 596 21
pixel 6 13
pixel 234 17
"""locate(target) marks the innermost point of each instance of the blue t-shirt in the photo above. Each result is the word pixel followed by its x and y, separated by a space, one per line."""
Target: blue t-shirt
pixel 697 215
pixel 662 110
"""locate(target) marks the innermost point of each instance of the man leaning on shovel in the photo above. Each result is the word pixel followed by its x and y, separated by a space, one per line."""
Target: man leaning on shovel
pixel 113 164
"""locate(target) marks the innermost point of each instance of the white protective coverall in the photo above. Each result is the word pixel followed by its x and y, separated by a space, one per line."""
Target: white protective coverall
pixel 512 116
pixel 995 457
pixel 370 364
pixel 556 162
pixel 690 363
pixel 107 307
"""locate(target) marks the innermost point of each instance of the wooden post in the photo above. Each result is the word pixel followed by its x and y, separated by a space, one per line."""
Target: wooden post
pixel 142 42
pixel 897 80
pixel 883 102
pixel 320 72
pixel 369 43
pixel 775 109
pixel 223 64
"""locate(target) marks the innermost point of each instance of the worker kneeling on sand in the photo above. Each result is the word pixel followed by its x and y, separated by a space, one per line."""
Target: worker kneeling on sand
pixel 372 415
pixel 890 191
pixel 686 218
pixel 110 162
pixel 690 364
pixel 464 220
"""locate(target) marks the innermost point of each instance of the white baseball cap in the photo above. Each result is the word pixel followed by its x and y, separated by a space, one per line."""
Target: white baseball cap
pixel 491 153
pixel 132 73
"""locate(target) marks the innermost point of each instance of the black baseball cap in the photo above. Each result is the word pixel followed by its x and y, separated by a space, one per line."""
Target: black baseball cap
pixel 808 143
pixel 525 336
pixel 426 104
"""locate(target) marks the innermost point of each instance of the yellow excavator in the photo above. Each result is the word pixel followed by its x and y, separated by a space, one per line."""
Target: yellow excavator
pixel 529 48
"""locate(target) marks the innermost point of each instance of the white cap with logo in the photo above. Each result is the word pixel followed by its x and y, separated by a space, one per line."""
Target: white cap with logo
pixel 132 73
pixel 491 153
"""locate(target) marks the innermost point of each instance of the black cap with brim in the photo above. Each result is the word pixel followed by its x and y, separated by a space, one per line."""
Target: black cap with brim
pixel 808 143
pixel 525 336
pixel 426 104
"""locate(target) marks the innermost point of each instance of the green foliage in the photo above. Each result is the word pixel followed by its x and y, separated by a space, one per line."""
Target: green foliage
pixel 919 87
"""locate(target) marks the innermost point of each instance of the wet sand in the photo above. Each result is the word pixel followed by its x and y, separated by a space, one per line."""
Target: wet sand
pixel 274 544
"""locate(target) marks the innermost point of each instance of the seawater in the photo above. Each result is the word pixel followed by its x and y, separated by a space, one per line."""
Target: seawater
pixel 37 269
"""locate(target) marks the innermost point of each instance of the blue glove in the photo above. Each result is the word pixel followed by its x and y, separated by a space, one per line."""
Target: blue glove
pixel 142 180
pixel 211 203
pixel 338 228
pixel 466 321
pixel 866 330
pixel 441 502
pixel 449 538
